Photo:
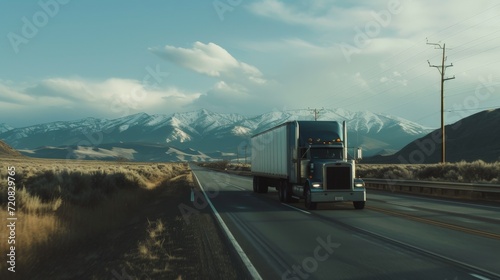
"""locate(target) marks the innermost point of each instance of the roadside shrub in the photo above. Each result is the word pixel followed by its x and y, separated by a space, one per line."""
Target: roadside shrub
pixel 430 172
pixel 467 172
pixel 107 185
pixel 76 183
pixel 453 175
pixel 397 172
pixel 384 171
pixel 98 179
pixel 129 181
pixel 479 171
pixel 84 188
pixel 44 186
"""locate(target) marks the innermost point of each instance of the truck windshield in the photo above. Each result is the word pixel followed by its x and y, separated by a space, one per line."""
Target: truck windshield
pixel 326 153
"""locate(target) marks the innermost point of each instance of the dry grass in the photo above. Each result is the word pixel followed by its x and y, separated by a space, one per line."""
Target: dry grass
pixel 64 201
pixel 465 172
pixel 157 245
pixel 147 248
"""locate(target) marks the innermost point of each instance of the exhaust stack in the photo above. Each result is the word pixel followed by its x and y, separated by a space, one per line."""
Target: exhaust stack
pixel 344 128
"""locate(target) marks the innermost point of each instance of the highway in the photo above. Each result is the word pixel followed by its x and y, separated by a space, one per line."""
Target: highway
pixel 395 237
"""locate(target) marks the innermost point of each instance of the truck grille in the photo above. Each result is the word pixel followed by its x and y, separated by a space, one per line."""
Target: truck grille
pixel 338 177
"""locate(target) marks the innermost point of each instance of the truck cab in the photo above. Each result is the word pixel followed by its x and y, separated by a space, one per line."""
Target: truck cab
pixel 327 175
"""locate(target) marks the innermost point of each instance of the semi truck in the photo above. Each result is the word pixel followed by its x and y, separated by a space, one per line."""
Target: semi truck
pixel 306 160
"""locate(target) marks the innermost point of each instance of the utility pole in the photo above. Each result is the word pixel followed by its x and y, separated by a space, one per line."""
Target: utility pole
pixel 442 69
pixel 316 112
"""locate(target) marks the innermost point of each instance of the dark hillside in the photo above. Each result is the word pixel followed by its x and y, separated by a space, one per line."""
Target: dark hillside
pixel 476 137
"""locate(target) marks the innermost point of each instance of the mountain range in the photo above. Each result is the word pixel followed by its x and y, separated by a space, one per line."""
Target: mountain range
pixel 199 135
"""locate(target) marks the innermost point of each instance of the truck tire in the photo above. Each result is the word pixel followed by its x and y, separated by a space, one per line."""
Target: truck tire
pixel 255 184
pixel 308 203
pixel 287 192
pixel 281 192
pixel 259 185
pixel 359 204
pixel 284 193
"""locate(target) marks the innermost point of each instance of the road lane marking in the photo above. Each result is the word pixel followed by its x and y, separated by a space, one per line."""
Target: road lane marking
pixel 246 261
pixel 436 223
pixel 298 209
pixel 478 276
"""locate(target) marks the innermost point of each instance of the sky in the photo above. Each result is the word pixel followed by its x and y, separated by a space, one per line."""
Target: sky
pixel 72 59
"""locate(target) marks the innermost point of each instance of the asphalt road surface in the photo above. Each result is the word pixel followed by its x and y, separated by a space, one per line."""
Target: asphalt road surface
pixel 395 237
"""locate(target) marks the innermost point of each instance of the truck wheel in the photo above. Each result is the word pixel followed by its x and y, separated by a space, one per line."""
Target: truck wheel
pixel 260 185
pixel 281 192
pixel 287 192
pixel 255 184
pixel 308 203
pixel 359 204
pixel 284 192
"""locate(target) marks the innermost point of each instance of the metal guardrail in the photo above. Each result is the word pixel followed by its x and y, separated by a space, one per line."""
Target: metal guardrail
pixel 438 188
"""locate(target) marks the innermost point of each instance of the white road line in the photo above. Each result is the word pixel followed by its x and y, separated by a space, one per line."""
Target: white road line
pixel 253 271
pixel 479 276
pixel 298 209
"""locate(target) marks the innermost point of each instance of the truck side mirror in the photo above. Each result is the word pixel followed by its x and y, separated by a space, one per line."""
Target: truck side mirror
pixel 359 154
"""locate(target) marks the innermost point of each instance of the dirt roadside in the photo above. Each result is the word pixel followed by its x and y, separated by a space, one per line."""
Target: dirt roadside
pixel 156 243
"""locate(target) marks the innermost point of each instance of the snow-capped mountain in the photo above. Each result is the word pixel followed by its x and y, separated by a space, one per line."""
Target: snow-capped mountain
pixel 208 132
pixel 5 127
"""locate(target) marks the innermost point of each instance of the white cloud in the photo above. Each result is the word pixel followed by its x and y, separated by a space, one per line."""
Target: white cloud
pixel 212 60
pixel 49 99
pixel 12 96
pixel 315 15
pixel 223 97
pixel 321 15
pixel 239 84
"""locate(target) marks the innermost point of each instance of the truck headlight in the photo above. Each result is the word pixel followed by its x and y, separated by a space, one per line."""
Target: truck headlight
pixel 316 185
pixel 359 183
